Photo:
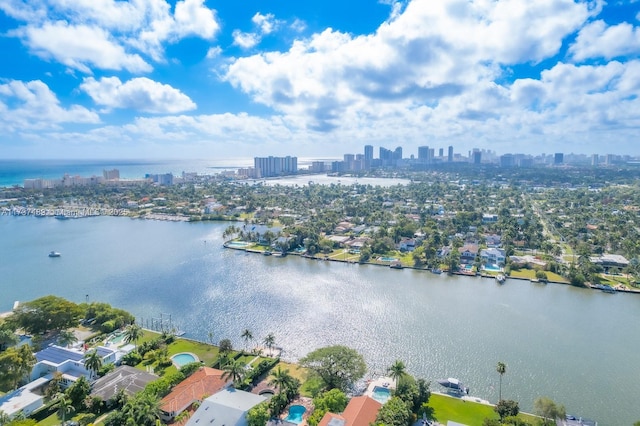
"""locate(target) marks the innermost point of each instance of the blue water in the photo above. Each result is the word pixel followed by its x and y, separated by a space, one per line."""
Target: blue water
pixel 295 414
pixel 183 359
pixel 381 394
pixel 553 338
pixel 14 172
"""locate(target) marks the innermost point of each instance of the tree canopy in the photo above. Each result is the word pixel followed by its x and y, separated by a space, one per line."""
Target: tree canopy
pixel 45 314
pixel 338 366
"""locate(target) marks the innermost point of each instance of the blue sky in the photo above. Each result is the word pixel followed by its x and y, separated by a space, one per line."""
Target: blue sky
pixel 221 79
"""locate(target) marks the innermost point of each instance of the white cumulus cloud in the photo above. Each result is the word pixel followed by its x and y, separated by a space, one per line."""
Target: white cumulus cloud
pixel 118 30
pixel 33 106
pixel 598 40
pixel 80 47
pixel 141 94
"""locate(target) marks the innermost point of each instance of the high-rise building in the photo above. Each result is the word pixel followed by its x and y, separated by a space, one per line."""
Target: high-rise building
pixel 441 152
pixel 476 156
pixel 507 160
pixel 595 159
pixel 368 156
pixel 397 154
pixel 111 174
pixel 386 157
pixel 423 154
pixel 558 158
pixel 275 166
pixel 450 154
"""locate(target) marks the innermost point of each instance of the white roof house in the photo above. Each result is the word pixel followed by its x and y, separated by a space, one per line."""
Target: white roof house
pixel 24 400
pixel 227 407
pixel 69 362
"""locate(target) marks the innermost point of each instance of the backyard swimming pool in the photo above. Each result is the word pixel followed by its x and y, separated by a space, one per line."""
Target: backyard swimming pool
pixel 381 394
pixel 183 359
pixel 295 414
pixel 238 244
pixel 387 259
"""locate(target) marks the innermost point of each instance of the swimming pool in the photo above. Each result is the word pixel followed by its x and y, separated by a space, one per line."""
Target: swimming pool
pixel 493 268
pixel 183 358
pixel 295 414
pixel 387 259
pixel 238 244
pixel 381 394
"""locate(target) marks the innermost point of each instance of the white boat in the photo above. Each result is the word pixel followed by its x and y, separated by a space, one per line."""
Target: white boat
pixel 501 278
pixel 54 254
pixel 454 384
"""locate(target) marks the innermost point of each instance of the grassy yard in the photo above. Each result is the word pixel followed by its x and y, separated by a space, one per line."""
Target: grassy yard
pixel 531 274
pixel 207 353
pixel 446 408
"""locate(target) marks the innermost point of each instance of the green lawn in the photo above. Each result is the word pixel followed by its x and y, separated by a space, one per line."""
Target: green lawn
pixel 207 353
pixel 470 413
pixel 447 408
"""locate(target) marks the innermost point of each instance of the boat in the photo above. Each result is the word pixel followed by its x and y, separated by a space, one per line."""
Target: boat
pixel 436 271
pixel 396 265
pixel 266 253
pixel 500 278
pixel 454 385
pixel 54 254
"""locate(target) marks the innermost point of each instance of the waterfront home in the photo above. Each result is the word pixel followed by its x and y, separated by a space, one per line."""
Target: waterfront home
pixel 68 362
pixel 360 411
pixel 468 253
pixel 25 400
pixel 228 407
pixel 406 244
pixel 608 261
pixel 204 382
pixel 443 252
pixel 493 256
pixel 126 378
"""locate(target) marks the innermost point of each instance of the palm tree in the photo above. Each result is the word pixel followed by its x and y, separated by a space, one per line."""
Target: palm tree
pixel 210 336
pixel 4 418
pixel 65 407
pixel 397 371
pixel 501 368
pixel 281 378
pixel 66 338
pixel 132 333
pixel 234 371
pixel 93 362
pixel 246 335
pixel 270 341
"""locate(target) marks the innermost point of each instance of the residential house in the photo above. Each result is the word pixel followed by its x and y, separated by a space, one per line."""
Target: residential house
pixel 68 362
pixel 406 244
pixel 360 411
pixel 489 218
pixel 227 407
pixel 493 256
pixel 608 261
pixel 493 240
pixel 200 385
pixel 25 400
pixel 468 253
pixel 443 252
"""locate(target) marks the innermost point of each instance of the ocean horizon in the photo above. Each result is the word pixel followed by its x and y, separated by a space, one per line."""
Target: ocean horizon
pixel 14 172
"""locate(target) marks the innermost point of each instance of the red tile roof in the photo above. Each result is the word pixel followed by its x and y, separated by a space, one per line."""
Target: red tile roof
pixel 361 411
pixel 201 384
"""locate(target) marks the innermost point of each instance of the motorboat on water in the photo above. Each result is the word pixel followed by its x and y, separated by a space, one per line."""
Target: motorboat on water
pixel 54 254
pixel 500 278
pixel 455 385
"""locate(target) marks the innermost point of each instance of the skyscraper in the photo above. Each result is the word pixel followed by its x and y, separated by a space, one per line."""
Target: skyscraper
pixel 450 154
pixel 558 158
pixel 368 156
pixel 423 154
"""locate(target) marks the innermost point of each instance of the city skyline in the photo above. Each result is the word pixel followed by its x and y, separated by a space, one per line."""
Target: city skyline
pixel 200 79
